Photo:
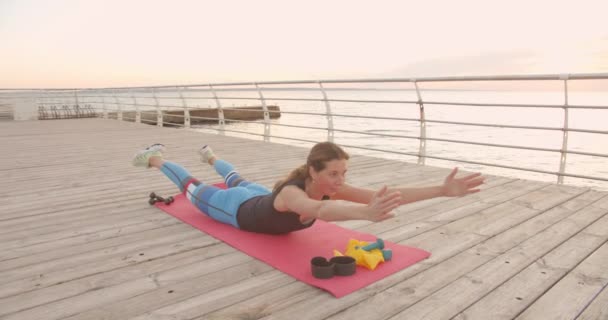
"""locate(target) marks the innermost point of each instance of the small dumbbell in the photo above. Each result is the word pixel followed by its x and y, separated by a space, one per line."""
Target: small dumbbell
pixel 167 201
pixel 379 244
pixel 387 254
pixel 154 198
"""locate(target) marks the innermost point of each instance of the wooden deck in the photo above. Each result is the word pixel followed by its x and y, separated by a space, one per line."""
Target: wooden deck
pixel 79 240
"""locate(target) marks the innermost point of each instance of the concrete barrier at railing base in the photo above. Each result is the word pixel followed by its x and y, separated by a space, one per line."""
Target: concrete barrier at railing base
pixel 6 112
pixel 25 108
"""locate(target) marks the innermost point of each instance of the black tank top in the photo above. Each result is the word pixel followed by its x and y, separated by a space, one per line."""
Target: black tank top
pixel 259 215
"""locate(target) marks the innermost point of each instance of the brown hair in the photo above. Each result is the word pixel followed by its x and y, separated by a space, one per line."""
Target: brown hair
pixel 319 155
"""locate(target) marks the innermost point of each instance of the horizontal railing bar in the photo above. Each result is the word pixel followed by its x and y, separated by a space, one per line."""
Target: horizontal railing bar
pixel 378 134
pixel 434 157
pixel 376 118
pixel 436 139
pixel 173 123
pixel 572 175
pixel 393 118
pixel 480 163
pixel 253 89
pixel 587 131
pixel 571 76
pixel 237 131
pixel 396 136
pixel 495 125
pixel 203 118
pixel 320 99
pixel 602 155
pixel 372 117
pixel 514 105
pixel 517 127
pixel 422 79
pixel 469 104
pixel 493 145
pixel 471 143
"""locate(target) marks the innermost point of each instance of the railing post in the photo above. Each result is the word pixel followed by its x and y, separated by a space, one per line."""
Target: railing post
pixel 76 96
pixel 76 104
pixel 186 111
pixel 159 113
pixel 329 115
pixel 220 112
pixel 422 146
pixel 118 106
pixel 46 98
pixel 103 105
pixel 266 115
pixel 137 112
pixel 564 150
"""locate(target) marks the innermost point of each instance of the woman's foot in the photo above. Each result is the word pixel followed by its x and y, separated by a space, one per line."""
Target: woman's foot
pixel 207 155
pixel 142 158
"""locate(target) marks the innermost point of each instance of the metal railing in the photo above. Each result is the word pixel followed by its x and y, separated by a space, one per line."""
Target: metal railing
pixel 130 103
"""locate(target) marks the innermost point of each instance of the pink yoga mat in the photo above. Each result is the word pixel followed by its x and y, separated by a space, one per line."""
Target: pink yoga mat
pixel 291 253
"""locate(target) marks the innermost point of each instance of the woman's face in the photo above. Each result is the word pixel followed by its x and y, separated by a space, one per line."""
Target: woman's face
pixel 330 179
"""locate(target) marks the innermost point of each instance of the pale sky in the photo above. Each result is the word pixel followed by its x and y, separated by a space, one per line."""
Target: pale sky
pixel 102 43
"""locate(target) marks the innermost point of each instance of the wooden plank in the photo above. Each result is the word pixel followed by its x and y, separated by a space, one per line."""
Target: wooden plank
pixel 59 259
pixel 211 301
pixel 466 290
pixel 264 305
pixel 28 293
pixel 598 308
pixel 124 293
pixel 57 220
pixel 516 294
pixel 570 296
pixel 59 276
pixel 215 284
pixel 85 234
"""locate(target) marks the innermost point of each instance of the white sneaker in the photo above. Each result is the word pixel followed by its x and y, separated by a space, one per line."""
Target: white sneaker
pixel 206 153
pixel 142 158
pixel 157 147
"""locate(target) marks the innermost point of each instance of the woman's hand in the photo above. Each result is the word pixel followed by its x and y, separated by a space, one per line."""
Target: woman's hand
pixel 382 203
pixel 456 187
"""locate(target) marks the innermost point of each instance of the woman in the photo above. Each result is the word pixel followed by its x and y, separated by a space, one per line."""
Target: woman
pixel 296 202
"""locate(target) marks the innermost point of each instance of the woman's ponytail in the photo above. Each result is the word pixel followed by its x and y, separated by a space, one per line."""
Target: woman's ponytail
pixel 299 173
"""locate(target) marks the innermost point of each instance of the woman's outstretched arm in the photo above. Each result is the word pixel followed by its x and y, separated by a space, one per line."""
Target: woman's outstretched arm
pixel 451 187
pixel 378 208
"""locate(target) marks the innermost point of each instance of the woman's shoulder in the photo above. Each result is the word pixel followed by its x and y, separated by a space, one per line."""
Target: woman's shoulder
pixel 295 182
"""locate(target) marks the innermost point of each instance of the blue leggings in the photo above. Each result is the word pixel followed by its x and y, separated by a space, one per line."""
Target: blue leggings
pixel 220 204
